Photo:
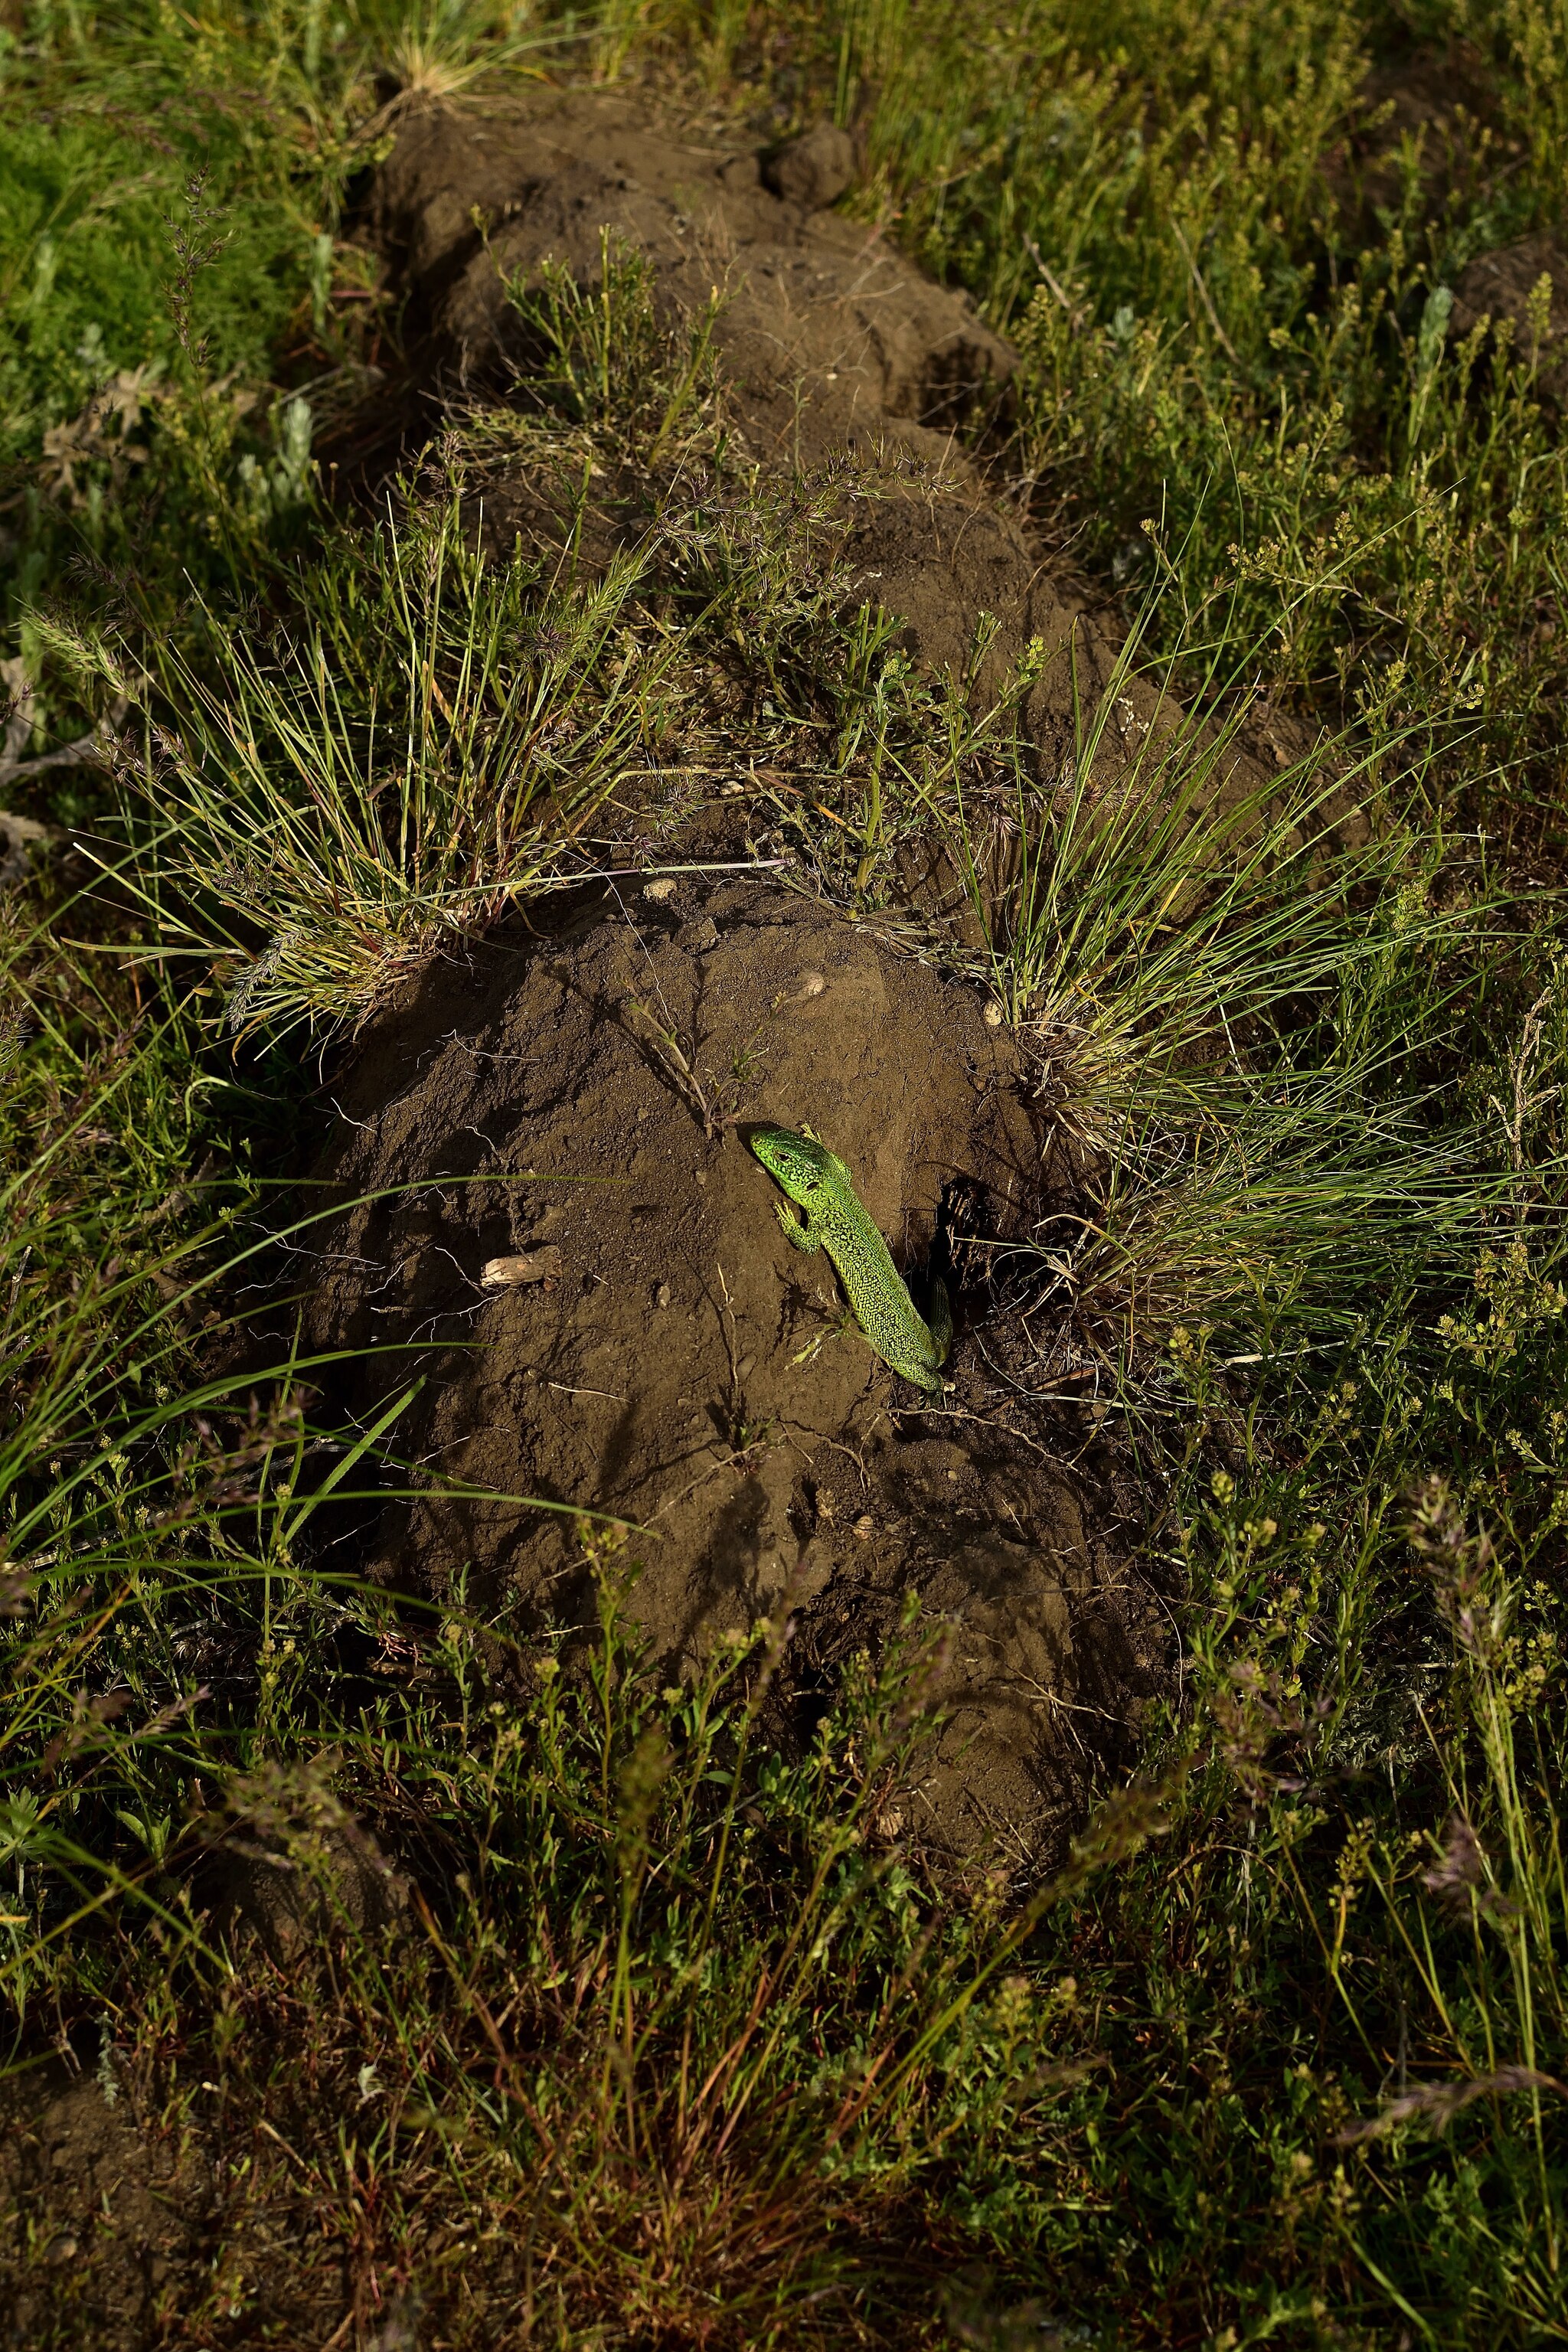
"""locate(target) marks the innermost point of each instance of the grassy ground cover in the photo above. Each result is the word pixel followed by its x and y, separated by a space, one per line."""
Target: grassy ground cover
pixel 675 2043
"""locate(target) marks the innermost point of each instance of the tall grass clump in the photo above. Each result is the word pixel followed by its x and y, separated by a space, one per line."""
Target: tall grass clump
pixel 419 750
pixel 422 738
pixel 1242 999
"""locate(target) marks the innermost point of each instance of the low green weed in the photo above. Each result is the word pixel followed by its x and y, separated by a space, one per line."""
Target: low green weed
pixel 675 2033
pixel 156 237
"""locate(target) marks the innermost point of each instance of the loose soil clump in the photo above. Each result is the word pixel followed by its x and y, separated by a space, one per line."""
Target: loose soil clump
pixel 123 2224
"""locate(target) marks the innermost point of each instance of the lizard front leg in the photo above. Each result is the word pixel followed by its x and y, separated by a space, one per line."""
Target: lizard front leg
pixel 798 1231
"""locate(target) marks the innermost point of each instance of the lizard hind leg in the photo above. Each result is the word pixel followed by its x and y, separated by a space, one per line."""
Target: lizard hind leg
pixel 940 1318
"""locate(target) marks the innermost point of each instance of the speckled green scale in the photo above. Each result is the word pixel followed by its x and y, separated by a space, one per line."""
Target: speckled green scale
pixel 833 1218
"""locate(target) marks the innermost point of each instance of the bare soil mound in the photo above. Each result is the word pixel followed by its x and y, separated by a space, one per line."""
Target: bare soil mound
pixel 556 1218
pixel 825 333
pixel 829 345
pixel 578 1101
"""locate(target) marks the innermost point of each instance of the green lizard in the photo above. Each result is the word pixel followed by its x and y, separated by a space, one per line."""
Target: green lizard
pixel 822 1187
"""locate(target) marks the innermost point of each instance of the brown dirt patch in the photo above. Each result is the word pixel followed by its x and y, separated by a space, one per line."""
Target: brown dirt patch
pixel 1421 109
pixel 1499 286
pixel 86 2236
pixel 682 1367
pixel 121 2228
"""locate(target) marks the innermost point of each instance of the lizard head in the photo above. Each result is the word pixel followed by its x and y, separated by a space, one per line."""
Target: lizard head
pixel 798 1163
